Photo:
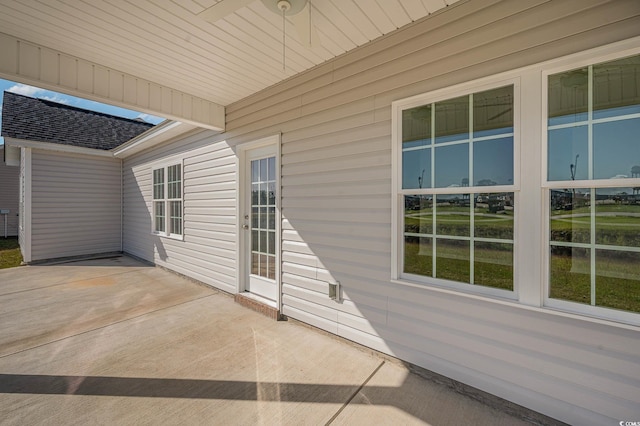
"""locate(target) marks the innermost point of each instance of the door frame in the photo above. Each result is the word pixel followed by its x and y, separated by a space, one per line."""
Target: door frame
pixel 242 240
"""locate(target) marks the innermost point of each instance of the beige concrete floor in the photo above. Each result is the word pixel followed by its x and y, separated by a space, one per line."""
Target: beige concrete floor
pixel 114 341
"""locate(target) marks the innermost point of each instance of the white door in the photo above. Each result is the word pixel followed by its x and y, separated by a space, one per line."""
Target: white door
pixel 260 220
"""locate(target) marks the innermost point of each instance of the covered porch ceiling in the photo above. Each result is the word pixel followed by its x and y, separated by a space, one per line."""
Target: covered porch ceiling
pixel 171 58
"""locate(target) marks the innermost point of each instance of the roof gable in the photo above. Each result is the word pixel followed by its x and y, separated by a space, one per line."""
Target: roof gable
pixel 41 120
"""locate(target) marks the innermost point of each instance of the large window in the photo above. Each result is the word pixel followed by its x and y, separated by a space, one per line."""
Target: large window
pixel 593 180
pixel 525 186
pixel 457 188
pixel 167 200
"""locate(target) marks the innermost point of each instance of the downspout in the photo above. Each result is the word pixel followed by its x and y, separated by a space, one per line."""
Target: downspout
pixel 121 206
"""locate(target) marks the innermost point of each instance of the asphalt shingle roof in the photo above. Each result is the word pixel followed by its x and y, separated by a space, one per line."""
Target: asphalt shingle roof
pixel 41 120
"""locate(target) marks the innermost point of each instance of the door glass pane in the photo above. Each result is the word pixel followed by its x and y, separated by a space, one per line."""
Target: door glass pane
pixel 271 267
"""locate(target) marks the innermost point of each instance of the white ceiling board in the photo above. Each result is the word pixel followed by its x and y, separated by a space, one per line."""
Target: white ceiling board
pixel 166 42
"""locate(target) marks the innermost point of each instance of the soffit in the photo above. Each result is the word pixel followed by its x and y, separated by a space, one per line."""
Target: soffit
pixel 166 42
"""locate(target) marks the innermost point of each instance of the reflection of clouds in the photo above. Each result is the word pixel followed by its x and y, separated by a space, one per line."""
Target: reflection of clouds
pixel 619 177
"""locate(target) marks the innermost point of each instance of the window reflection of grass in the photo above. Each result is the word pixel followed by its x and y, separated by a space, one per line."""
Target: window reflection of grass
pixel 618 280
pixel 570 274
pixel 452 260
pixel 493 265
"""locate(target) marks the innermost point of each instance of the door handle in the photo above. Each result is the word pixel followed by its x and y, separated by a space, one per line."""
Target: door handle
pixel 245 226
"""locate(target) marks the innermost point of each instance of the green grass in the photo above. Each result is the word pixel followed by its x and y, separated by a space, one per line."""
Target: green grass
pixel 9 253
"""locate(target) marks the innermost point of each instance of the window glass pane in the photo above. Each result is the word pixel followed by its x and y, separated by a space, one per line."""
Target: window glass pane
pixel 618 279
pixel 493 112
pixel 255 241
pixel 453 214
pixel 418 214
pixel 416 126
pixel 271 187
pixel 493 162
pixel 453 260
pixel 263 266
pixel 416 169
pixel 271 167
pixel 271 267
pixel 570 274
pixel 570 218
pixel 616 148
pixel 618 216
pixel 418 256
pixel 255 263
pixel 452 166
pixel 263 170
pixel 255 171
pixel 271 243
pixel 568 157
pixel 271 222
pixel 263 218
pixel 263 194
pixel 176 217
pixel 452 120
pixel 493 265
pixel 158 184
pixel 568 97
pixel 158 207
pixel 616 88
pixel 174 181
pixel 255 217
pixel 255 194
pixel 493 215
pixel 263 242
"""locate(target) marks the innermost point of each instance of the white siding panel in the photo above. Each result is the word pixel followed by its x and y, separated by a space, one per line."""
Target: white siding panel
pixel 336 206
pixel 9 196
pixel 75 205
pixel 208 251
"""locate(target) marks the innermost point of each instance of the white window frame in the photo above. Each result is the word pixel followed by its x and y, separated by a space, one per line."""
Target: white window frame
pixel 398 193
pixel 531 222
pixel 165 165
pixel 610 53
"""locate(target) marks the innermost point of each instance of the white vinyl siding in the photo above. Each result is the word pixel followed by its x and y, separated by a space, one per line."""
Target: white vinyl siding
pixel 336 206
pixel 75 205
pixel 9 196
pixel 207 250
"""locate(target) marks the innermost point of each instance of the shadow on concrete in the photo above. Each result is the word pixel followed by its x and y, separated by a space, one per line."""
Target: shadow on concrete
pixel 174 388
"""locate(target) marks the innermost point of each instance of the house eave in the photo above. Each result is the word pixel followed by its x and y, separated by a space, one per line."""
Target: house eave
pixel 156 135
pixel 48 146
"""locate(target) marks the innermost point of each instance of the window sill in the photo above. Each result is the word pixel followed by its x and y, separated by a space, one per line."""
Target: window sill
pixel 169 236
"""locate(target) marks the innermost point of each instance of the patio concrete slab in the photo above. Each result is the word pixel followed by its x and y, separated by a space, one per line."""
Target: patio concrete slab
pixel 123 343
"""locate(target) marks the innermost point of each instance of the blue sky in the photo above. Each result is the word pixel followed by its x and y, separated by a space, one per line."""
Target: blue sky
pixel 35 92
